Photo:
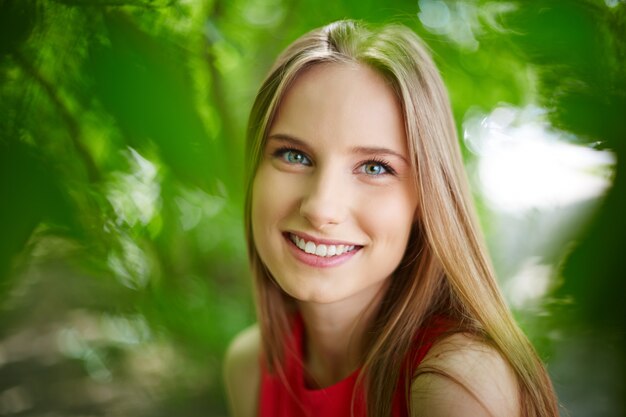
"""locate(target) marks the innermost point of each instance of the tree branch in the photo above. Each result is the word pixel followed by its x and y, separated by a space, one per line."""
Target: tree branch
pixel 72 125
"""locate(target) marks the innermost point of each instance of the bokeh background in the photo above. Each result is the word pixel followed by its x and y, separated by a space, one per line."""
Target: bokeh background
pixel 122 261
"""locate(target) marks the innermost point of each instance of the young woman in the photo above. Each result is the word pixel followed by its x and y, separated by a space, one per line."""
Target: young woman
pixel 375 293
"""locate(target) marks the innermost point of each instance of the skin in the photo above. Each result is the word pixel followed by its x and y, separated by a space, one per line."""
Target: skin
pixel 319 179
pixel 323 183
pixel 335 169
pixel 486 383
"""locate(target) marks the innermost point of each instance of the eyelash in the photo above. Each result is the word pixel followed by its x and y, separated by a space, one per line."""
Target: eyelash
pixel 378 161
pixel 280 153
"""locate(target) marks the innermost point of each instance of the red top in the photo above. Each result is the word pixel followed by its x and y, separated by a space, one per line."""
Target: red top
pixel 295 400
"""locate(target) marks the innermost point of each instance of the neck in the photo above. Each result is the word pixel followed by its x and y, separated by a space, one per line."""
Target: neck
pixel 334 336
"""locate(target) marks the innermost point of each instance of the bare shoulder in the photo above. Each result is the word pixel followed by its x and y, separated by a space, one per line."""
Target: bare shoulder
pixel 242 372
pixel 464 376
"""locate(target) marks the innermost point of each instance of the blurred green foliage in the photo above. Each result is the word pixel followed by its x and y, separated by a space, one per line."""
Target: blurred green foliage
pixel 122 261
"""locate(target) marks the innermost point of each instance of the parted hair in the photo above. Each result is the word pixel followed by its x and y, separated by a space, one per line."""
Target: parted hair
pixel 446 269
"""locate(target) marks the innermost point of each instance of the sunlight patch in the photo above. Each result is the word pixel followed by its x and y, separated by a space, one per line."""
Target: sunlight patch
pixel 524 163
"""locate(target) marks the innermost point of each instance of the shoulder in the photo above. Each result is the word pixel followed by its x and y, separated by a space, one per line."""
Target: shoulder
pixel 464 376
pixel 242 373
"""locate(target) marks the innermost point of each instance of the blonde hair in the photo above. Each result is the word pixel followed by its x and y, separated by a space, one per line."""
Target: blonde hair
pixel 446 269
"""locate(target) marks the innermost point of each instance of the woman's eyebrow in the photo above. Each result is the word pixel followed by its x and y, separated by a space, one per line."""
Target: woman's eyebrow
pixel 361 150
pixel 375 150
pixel 282 137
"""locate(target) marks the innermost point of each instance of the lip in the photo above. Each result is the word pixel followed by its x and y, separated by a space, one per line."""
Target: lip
pixel 319 261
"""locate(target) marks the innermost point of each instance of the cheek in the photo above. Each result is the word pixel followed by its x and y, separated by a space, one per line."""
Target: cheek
pixel 272 201
pixel 393 216
pixel 265 197
pixel 389 223
pixel 260 216
pixel 261 206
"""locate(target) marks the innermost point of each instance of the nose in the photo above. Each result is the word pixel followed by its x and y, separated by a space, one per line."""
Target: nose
pixel 325 201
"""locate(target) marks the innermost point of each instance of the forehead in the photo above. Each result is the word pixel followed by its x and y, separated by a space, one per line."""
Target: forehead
pixel 342 103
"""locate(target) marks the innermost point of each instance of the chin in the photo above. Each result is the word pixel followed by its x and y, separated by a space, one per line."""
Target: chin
pixel 314 295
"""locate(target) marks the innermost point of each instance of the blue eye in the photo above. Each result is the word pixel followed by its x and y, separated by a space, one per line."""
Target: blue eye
pixel 374 169
pixel 292 156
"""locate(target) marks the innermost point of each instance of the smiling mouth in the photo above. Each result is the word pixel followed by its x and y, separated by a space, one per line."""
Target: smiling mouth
pixel 321 250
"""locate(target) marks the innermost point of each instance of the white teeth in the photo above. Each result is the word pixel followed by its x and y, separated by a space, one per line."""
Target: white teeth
pixel 309 247
pixel 320 250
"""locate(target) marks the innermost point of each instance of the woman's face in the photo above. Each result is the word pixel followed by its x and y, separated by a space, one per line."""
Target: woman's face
pixel 333 198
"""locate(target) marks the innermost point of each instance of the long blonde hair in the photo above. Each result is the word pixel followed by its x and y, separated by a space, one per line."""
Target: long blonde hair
pixel 446 269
